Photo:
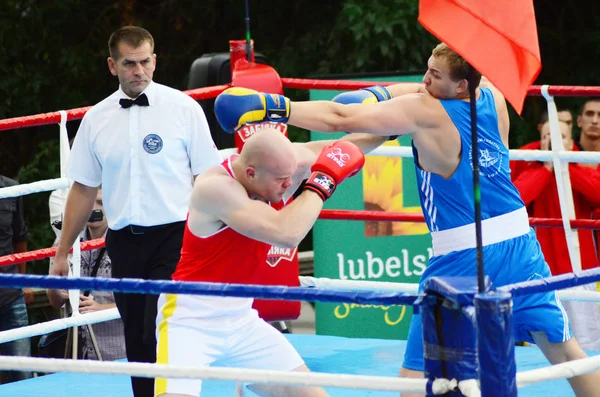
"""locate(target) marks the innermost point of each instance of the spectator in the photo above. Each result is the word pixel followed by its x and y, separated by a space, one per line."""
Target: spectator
pixel 589 123
pixel 537 185
pixel 96 263
pixel 565 116
pixel 589 140
pixel 13 301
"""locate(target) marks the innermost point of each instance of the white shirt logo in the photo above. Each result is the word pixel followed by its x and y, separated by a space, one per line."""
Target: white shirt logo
pixel 490 158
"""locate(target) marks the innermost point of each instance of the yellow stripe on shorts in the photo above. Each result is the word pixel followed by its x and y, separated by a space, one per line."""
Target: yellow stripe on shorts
pixel 162 355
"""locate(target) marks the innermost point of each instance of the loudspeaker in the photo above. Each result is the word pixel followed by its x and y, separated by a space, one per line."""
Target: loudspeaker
pixel 210 70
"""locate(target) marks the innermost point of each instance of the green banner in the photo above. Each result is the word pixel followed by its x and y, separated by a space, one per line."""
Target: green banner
pixel 371 251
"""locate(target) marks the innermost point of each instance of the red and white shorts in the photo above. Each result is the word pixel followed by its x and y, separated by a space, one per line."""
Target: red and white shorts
pixel 194 330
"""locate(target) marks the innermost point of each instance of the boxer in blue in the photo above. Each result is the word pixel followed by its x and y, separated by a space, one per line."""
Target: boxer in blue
pixel 436 115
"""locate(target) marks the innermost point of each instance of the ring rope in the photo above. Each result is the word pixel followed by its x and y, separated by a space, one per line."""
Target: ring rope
pixel 43 253
pixel 562 281
pixel 588 224
pixel 78 113
pixel 59 324
pixel 413 288
pixel 140 286
pixel 46 185
pixel 536 90
pixel 564 370
pixel 355 215
pixel 388 151
pixel 439 386
pixel 147 370
pixel 309 282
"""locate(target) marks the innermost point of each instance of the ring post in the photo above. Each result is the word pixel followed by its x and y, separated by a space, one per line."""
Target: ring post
pixel 449 336
pixel 496 344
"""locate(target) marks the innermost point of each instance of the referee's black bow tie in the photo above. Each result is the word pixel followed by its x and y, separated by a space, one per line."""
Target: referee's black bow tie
pixel 141 100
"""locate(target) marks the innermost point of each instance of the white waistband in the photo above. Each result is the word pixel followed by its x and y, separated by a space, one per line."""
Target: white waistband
pixel 493 230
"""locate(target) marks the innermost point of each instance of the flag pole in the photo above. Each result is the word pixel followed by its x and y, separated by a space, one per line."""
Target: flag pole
pixel 476 186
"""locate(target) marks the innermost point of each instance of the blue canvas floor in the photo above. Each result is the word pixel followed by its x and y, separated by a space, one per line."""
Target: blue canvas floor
pixel 321 353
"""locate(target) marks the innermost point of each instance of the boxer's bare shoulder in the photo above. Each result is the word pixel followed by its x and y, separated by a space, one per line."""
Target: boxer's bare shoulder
pixel 213 192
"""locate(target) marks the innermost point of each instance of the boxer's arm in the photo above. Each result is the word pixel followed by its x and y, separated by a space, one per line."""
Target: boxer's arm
pixel 397 116
pixel 406 88
pixel 228 201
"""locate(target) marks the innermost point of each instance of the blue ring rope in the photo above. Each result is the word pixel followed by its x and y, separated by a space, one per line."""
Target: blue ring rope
pixel 213 289
pixel 552 283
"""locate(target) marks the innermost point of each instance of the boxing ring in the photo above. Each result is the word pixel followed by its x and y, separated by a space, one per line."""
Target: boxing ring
pixel 344 366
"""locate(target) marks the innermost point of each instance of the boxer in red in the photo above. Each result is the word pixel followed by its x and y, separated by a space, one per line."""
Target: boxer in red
pixel 229 231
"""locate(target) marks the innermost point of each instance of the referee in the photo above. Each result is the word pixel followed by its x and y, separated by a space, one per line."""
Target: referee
pixel 144 144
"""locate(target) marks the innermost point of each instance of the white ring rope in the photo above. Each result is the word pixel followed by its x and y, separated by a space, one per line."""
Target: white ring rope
pixel 440 386
pixel 559 371
pixel 34 187
pixel 563 181
pixel 514 154
pixel 393 151
pixel 333 284
pixel 345 285
pixel 56 325
pixel 146 370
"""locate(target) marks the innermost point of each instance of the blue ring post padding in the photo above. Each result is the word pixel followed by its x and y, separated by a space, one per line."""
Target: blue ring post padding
pixel 213 289
pixel 449 347
pixel 553 283
pixel 495 339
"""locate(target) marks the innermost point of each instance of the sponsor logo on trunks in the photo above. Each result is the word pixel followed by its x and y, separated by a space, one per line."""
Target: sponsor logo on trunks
pixel 250 129
pixel 338 156
pixel 276 254
pixel 490 157
pixel 152 143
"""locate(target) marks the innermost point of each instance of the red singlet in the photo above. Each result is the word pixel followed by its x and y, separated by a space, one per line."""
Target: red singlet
pixel 225 256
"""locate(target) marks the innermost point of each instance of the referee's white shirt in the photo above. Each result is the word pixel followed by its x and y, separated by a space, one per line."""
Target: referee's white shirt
pixel 145 157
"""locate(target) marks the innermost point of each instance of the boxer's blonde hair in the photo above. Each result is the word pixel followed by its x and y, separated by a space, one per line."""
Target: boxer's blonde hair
pixel 131 35
pixel 459 68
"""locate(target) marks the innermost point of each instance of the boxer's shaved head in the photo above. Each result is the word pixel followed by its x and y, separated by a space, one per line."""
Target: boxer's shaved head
pixel 268 160
pixel 267 148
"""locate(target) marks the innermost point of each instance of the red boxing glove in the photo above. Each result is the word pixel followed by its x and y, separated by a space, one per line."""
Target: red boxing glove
pixel 335 163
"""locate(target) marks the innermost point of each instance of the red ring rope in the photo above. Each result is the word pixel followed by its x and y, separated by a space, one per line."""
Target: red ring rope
pixel 347 215
pixel 589 224
pixel 76 114
pixel 308 84
pixel 45 253
pixel 211 92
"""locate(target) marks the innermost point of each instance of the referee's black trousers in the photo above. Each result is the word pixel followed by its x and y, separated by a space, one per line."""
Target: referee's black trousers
pixel 152 255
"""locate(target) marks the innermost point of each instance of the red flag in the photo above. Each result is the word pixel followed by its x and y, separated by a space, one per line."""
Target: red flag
pixel 499 38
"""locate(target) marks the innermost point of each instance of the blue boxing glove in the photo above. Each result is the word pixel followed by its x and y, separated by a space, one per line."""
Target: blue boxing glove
pixel 365 95
pixel 237 106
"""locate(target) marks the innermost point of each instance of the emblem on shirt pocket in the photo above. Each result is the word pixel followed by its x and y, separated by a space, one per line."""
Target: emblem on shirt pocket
pixel 152 143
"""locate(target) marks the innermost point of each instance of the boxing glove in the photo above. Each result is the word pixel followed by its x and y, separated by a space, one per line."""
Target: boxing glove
pixel 237 106
pixel 365 95
pixel 333 165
